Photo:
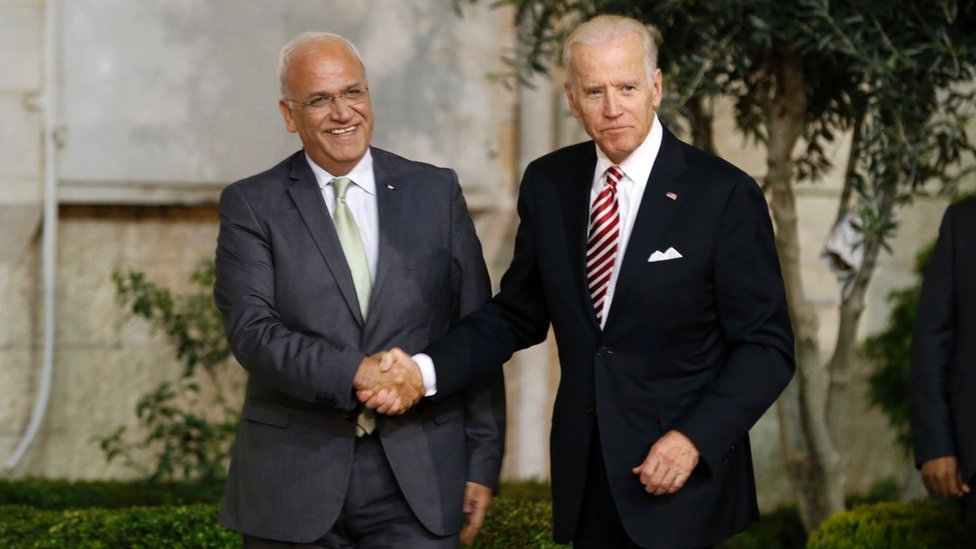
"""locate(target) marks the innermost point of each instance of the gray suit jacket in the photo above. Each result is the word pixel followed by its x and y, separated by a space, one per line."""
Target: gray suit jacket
pixel 293 321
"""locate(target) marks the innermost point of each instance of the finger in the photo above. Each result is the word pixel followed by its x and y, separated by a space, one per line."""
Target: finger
pixel 388 403
pixel 678 483
pixel 468 534
pixel 378 400
pixel 472 525
pixel 364 395
pixel 388 360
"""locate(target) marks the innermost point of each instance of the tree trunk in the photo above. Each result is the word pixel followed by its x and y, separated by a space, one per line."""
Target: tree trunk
pixel 812 462
pixel 701 120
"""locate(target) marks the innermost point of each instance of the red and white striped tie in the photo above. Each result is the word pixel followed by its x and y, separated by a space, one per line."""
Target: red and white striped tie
pixel 601 246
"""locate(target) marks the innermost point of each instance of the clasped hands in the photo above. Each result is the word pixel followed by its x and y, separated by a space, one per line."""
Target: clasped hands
pixel 389 382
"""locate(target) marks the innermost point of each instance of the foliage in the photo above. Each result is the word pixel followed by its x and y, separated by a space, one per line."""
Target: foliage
pixel 781 528
pixel 888 354
pixel 888 489
pixel 517 523
pixel 189 429
pixel 165 526
pixel 926 524
pixel 55 494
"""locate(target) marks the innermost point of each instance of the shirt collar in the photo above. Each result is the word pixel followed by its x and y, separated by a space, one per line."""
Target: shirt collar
pixel 361 174
pixel 637 167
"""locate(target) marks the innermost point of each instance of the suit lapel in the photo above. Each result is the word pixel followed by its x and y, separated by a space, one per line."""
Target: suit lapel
pixel 307 197
pixel 574 185
pixel 392 218
pixel 657 209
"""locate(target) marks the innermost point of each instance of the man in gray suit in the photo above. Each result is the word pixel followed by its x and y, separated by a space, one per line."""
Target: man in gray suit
pixel 336 253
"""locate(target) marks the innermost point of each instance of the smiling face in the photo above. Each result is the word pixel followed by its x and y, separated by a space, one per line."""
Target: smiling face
pixel 338 136
pixel 610 91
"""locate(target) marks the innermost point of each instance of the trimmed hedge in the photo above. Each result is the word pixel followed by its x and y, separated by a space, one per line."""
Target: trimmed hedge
pixel 510 523
pixel 924 524
pixel 37 513
pixel 64 494
pixel 161 527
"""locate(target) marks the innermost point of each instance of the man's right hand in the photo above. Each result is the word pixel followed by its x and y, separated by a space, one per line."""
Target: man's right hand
pixel 389 386
pixel 942 477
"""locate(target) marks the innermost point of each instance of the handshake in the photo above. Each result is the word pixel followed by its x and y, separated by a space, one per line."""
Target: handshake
pixel 389 382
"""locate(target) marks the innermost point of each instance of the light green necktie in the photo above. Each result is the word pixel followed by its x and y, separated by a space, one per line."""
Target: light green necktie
pixel 355 252
pixel 352 243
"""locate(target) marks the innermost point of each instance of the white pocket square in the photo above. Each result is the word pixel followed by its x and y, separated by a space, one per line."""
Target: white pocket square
pixel 658 255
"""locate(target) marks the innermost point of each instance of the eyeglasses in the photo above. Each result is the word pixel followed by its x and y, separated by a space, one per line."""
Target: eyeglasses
pixel 325 102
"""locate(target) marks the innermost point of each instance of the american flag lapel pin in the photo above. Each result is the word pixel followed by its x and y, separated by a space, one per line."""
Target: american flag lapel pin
pixel 672 196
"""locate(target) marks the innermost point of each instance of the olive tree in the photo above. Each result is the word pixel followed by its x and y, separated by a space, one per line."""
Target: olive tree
pixel 896 75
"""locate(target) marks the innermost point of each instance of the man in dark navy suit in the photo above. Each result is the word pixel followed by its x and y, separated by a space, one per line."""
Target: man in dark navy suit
pixel 654 263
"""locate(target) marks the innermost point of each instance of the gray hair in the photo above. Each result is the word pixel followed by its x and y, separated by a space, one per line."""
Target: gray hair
pixel 307 38
pixel 606 27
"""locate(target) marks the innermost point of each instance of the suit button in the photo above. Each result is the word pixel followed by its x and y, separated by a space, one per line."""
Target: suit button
pixel 590 411
pixel 602 351
pixel 350 416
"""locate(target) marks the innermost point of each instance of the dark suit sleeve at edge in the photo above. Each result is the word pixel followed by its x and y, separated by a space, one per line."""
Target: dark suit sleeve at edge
pixel 305 367
pixel 755 322
pixel 931 353
pixel 484 401
pixel 514 319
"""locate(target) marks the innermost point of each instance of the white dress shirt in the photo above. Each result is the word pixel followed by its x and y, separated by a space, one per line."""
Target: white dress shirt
pixel 636 169
pixel 361 199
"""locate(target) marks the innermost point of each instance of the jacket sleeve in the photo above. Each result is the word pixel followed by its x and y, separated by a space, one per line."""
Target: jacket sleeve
pixel 931 352
pixel 484 401
pixel 755 323
pixel 304 366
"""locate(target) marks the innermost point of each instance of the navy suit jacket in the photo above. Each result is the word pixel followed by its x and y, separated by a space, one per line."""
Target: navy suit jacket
pixel 293 322
pixel 701 344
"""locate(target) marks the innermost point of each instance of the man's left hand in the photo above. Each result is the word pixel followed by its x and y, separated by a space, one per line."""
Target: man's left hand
pixel 668 465
pixel 477 500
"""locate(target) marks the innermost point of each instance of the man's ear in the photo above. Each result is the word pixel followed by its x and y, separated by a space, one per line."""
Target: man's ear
pixel 285 109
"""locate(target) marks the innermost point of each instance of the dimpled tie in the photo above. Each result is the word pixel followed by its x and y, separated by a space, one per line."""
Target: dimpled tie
pixel 352 247
pixel 601 246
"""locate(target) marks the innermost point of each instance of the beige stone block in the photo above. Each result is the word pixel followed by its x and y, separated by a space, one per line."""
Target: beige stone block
pixel 19 316
pixel 19 373
pixel 20 139
pixel 21 45
pixel 91 249
pixel 19 224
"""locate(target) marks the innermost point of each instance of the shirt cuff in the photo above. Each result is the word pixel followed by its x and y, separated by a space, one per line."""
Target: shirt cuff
pixel 427 373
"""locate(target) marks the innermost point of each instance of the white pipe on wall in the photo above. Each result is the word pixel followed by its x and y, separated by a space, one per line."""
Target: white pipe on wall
pixel 50 228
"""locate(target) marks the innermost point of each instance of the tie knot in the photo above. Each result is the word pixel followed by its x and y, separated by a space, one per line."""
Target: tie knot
pixel 614 175
pixel 341 185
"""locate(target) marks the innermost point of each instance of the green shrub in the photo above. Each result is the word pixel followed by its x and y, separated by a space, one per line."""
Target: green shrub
pixel 161 527
pixel 63 494
pixel 925 524
pixel 517 523
pixel 780 528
